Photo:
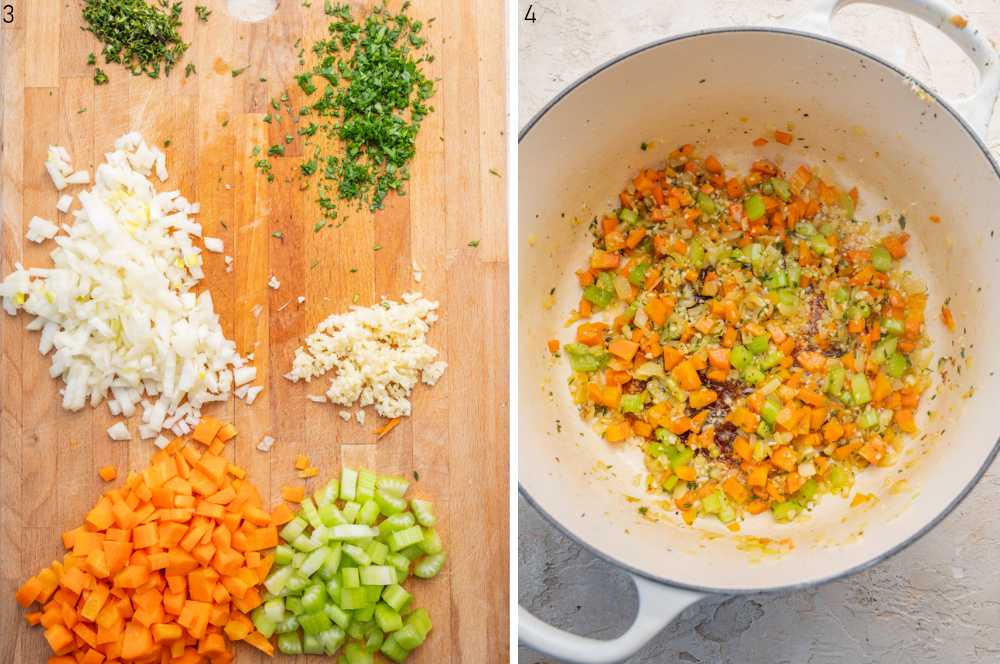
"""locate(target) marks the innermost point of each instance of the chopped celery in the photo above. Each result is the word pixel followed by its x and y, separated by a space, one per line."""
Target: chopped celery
pixel 754 207
pixel 338 569
pixel 585 359
pixel 349 484
pixel 752 375
pixel 881 259
pixel 785 510
pixel 696 253
pixel 599 297
pixel 758 344
pixel 835 375
pixel 289 643
pixel 740 357
pixel 771 360
pixel 868 418
pixel 840 477
pixel 896 365
pixel 860 389
pixel 808 490
pixel 429 567
pixel 893 326
pixel 397 486
pixel 884 349
pixel 705 203
pixel 366 486
pixel 423 510
pixel 781 188
pixel 769 411
pixel 389 504
pixel 637 275
pixel 632 403
pixel 628 216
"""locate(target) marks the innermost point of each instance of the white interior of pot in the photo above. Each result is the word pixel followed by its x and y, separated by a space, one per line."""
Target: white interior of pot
pixel 860 122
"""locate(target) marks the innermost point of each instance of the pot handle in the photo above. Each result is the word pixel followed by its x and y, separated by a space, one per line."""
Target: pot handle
pixel 977 108
pixel 658 606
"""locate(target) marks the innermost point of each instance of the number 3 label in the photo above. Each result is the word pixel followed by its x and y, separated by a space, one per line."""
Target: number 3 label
pixel 8 13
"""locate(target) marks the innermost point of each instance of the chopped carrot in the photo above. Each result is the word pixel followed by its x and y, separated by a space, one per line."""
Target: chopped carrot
pixel 553 345
pixel 386 428
pixel 293 494
pixel 146 578
pixel 301 462
pixel 108 473
pixel 783 137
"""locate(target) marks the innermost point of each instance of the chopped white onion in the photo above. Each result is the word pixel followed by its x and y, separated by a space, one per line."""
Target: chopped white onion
pixel 40 230
pixel 118 431
pixel 265 444
pixel 64 202
pixel 213 244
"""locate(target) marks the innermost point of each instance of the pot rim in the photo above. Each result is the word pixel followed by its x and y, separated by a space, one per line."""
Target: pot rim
pixel 931 523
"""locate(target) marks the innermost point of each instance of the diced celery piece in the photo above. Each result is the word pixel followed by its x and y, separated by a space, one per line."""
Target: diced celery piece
pixel 389 504
pixel 628 216
pixel 377 551
pixel 752 375
pixel 293 529
pixel 637 275
pixel 297 583
pixel 309 513
pixel 599 297
pixel 289 643
pixel 631 403
pixel 338 615
pixel 274 609
pixel 264 625
pixel 314 623
pixel 884 349
pixel 754 207
pixel 892 326
pixel 351 510
pixel 327 494
pixel 350 578
pixel 349 484
pixel 378 575
pixel 429 567
pixel 375 638
pixel 764 430
pixel 294 605
pixel 758 344
pixel 740 357
pixel 396 597
pixel 314 598
pixel 283 554
pixel 712 503
pixel 396 522
pixel 781 189
pixel 868 418
pixel 332 639
pixel 357 554
pixel 289 624
pixel 278 579
pixel 423 510
pixel 372 593
pixel 298 558
pixel 431 543
pixel 314 561
pixel 330 515
pixel 369 512
pixel 354 653
pixel 365 614
pixel 403 538
pixel 352 598
pixel 860 389
pixel 400 562
pixel 808 490
pixel 366 486
pixel 391 649
pixel 840 477
pixel 358 627
pixel 408 637
pixel 771 359
pixel 352 532
pixel 785 510
pixel 769 411
pixel 396 486
pixel 835 375
pixel 420 620
pixel 705 203
pixel 881 259
pixel 896 365
pixel 805 229
pixel 388 618
pixel 306 544
pixel 412 552
pixel 311 644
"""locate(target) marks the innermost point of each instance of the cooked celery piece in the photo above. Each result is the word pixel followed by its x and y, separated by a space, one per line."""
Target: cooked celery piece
pixel 781 188
pixel 628 216
pixel 758 344
pixel 754 207
pixel 860 389
pixel 583 359
pixel 637 275
pixel 740 357
pixel 892 326
pixel 884 349
pixel 769 411
pixel 896 365
pixel 632 403
pixel 881 259
pixel 336 581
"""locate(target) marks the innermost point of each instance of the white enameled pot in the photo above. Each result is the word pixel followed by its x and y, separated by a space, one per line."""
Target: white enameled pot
pixel 861 121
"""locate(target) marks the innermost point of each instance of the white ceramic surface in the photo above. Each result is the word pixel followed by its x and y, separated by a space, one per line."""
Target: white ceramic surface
pixel 862 122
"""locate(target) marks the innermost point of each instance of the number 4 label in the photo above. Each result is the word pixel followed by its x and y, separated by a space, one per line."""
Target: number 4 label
pixel 530 14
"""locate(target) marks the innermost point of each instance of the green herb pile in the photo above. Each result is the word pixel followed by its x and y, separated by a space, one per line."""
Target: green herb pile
pixel 366 97
pixel 143 38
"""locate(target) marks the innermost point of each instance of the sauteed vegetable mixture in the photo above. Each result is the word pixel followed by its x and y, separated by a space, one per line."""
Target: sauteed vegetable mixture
pixel 760 343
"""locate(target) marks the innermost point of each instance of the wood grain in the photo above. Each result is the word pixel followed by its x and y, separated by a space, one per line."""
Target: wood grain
pixel 457 438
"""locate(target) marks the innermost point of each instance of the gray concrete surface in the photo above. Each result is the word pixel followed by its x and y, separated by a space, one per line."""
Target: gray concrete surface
pixel 938 601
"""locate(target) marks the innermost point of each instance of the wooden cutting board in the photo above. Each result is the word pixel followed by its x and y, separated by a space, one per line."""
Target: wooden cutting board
pixel 457 438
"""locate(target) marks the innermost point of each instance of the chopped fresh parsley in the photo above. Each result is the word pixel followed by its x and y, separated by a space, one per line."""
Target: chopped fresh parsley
pixel 143 37
pixel 203 13
pixel 189 69
pixel 100 78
